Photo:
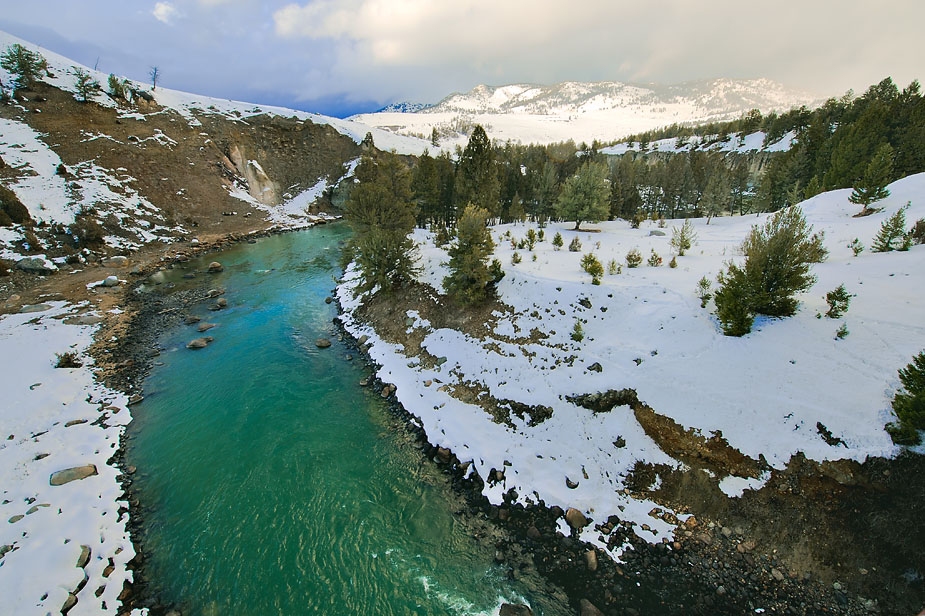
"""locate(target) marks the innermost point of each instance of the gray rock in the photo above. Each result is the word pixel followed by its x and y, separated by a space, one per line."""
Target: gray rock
pixel 59 478
pixel 34 308
pixel 215 267
pixel 158 277
pixel 70 602
pixel 16 518
pixel 571 485
pixel 322 343
pixel 84 319
pixel 575 518
pixel 36 265
pixel 204 327
pixel 328 299
pixel 596 367
pixel 591 560
pixel 111 281
pixel 200 343
pixel 656 233
pixel 777 575
pixel 117 261
pixel 84 556
pixel 586 608
pixel 192 319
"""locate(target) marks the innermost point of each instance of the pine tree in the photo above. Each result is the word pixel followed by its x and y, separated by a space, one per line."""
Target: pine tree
pixel 26 66
pixel 778 256
pixel 892 234
pixel 557 241
pixel 585 196
pixel 382 215
pixel 872 187
pixel 434 137
pixel 477 176
pixel 682 238
pixel 593 267
pixel 733 301
pixel 716 195
pixel 470 275
pixel 85 85
pixel 909 403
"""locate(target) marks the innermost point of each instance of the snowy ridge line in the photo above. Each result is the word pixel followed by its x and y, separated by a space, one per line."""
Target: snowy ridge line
pixel 70 541
pixel 187 104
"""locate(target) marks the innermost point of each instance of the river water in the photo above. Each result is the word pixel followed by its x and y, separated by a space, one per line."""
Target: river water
pixel 273 483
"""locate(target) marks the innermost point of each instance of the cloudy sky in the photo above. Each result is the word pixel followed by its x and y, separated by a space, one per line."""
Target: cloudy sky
pixel 345 56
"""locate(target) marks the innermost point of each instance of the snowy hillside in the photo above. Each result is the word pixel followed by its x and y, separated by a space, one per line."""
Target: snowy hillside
pixel 586 111
pixel 185 102
pixel 766 393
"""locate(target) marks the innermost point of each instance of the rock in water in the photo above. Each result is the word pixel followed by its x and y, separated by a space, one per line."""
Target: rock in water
pixel 575 518
pixel 191 319
pixel 515 609
pixel 200 343
pixel 215 267
pixel 68 475
pixel 204 327
pixel 322 343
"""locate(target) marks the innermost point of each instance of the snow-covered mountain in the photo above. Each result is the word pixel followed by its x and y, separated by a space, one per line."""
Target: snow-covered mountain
pixel 606 110
pixel 405 107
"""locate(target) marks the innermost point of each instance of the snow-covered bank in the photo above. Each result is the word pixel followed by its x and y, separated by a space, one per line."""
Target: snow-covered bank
pixel 766 393
pixel 54 419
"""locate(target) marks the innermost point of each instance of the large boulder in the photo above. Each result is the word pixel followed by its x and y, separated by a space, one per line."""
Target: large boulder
pixel 59 478
pixel 575 518
pixel 322 343
pixel 36 265
pixel 215 267
pixel 586 608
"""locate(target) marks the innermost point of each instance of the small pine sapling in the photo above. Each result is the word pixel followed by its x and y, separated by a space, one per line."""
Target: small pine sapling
pixel 654 259
pixel 841 332
pixel 838 301
pixel 673 263
pixel 496 271
pixel 578 333
pixel 637 220
pixel 704 291
pixel 574 245
pixel 531 239
pixel 856 246
pixel 85 85
pixel 892 232
pixel 633 258
pixel 557 242
pixel 682 238
pixel 515 258
pixel 612 267
pixel 918 231
pixel 534 257
pixel 592 266
pixel 541 236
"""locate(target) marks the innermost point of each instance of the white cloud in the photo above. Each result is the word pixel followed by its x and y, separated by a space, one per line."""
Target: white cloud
pixel 164 12
pixel 801 43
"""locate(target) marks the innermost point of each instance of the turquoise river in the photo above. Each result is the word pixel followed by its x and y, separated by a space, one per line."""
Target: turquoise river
pixel 273 483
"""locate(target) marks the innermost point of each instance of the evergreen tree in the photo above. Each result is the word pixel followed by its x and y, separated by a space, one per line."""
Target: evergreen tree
pixel 85 85
pixel 892 232
pixel 872 187
pixel 909 403
pixel 434 137
pixel 477 177
pixel 812 189
pixel 778 256
pixel 716 195
pixel 585 195
pixel 593 267
pixel 470 276
pixel 683 237
pixel 25 65
pixel 382 216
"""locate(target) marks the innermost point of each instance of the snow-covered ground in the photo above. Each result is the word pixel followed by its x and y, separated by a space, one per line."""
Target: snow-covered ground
pixel 54 419
pixel 765 392
pixel 752 142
